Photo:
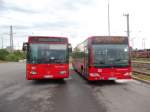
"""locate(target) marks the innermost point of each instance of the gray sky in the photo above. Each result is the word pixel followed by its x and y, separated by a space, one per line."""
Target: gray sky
pixel 76 19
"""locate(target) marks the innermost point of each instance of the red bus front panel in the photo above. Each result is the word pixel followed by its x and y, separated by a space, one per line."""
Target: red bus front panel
pixel 109 73
pixel 47 71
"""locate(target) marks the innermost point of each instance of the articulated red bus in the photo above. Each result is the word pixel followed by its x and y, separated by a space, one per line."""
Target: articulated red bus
pixel 103 58
pixel 47 57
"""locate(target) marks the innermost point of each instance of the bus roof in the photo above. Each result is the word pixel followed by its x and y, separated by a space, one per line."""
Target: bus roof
pixel 106 40
pixel 47 39
pixel 107 36
pixel 47 36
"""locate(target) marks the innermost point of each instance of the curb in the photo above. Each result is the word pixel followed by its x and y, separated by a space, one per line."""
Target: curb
pixel 139 72
pixel 143 62
pixel 142 80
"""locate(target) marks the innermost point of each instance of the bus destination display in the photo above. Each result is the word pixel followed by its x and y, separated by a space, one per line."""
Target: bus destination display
pixel 47 39
pixel 110 40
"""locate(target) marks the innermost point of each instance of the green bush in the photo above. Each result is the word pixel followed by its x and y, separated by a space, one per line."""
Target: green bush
pixel 20 55
pixel 11 57
pixel 15 56
pixel 3 54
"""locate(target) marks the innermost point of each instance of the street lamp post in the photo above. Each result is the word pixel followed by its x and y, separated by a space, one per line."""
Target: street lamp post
pixel 2 42
pixel 108 19
pixel 143 43
pixel 132 42
pixel 128 28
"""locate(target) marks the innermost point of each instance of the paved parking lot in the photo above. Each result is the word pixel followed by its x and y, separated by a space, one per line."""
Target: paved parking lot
pixel 71 95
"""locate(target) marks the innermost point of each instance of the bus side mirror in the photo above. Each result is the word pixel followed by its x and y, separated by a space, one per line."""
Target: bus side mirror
pixel 70 48
pixel 25 46
pixel 130 48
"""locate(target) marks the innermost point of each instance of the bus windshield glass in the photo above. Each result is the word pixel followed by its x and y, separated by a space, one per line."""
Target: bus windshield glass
pixel 47 53
pixel 111 55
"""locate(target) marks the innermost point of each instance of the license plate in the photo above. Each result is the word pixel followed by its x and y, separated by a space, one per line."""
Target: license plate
pixel 48 76
pixel 112 78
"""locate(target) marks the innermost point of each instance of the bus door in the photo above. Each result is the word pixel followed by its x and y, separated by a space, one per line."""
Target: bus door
pixel 86 61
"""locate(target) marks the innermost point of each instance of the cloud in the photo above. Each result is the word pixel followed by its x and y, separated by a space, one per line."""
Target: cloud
pixel 55 25
pixel 75 4
pixel 21 27
pixel 6 6
pixel 20 9
pixel 2 5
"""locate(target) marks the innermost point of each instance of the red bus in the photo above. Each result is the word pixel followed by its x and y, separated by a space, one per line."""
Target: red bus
pixel 47 57
pixel 103 58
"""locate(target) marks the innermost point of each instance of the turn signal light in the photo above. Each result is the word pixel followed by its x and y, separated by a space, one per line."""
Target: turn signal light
pixel 63 72
pixel 94 74
pixel 33 72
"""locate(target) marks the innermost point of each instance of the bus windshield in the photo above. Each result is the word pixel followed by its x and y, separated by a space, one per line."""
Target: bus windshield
pixel 47 53
pixel 111 55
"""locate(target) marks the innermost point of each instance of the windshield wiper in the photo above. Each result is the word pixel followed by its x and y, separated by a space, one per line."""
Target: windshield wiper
pixel 118 59
pixel 56 60
pixel 99 62
pixel 123 60
pixel 120 65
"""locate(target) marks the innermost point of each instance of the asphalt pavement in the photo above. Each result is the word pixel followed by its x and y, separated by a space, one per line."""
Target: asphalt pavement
pixel 74 94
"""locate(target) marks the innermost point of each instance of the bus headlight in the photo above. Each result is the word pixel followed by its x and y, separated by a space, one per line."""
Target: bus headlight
pixel 94 74
pixel 33 72
pixel 63 72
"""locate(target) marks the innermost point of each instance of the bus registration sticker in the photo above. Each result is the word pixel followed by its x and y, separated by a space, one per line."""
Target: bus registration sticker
pixel 48 76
